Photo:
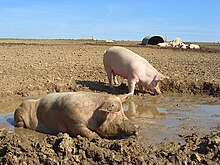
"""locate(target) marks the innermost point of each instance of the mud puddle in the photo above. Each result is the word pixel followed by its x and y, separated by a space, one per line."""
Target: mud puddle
pixel 161 118
pixel 7 120
pixel 173 116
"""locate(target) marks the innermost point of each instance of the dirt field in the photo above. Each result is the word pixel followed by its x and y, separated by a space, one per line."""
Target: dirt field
pixel 38 67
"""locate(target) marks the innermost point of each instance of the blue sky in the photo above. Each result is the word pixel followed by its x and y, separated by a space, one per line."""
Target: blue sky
pixel 191 20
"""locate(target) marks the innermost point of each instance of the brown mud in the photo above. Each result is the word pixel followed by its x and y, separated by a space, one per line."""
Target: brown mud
pixel 38 67
pixel 62 149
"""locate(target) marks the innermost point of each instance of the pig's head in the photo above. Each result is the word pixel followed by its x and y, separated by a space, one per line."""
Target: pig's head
pixel 24 113
pixel 154 85
pixel 116 125
pixel 112 121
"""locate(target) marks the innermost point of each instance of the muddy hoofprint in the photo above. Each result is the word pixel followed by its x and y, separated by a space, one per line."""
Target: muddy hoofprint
pixel 77 113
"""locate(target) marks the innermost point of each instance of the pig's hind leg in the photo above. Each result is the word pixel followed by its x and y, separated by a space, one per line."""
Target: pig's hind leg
pixel 110 75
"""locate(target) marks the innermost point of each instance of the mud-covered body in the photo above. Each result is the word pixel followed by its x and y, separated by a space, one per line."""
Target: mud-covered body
pixel 77 113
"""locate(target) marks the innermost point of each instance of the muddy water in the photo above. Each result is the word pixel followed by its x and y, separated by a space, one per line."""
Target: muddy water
pixel 7 121
pixel 160 118
pixel 172 116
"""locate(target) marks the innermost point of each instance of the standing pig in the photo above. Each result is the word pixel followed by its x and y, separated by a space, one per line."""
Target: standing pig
pixel 176 43
pixel 125 63
pixel 77 113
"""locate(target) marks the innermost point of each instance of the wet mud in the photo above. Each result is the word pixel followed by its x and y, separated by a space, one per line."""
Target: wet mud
pixel 182 126
pixel 62 149
pixel 178 129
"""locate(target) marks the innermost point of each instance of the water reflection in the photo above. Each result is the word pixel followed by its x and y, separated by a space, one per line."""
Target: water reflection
pixel 7 120
pixel 133 110
pixel 158 118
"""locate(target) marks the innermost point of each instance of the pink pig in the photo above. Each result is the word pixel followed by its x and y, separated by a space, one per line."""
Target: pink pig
pixel 77 113
pixel 125 63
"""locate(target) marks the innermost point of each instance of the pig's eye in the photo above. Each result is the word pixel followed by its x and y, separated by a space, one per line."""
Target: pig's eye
pixel 114 108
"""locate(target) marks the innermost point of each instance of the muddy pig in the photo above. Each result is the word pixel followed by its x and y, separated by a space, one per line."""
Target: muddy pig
pixel 125 63
pixel 77 113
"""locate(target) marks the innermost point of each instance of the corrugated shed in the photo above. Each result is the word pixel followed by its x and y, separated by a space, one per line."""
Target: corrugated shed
pixel 153 39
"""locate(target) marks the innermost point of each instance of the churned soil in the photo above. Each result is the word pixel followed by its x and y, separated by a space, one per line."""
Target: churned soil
pixel 38 67
pixel 62 149
pixel 33 67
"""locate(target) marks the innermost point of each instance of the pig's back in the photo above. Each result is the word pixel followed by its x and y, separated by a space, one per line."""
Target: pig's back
pixel 66 102
pixel 122 61
pixel 58 110
pixel 120 54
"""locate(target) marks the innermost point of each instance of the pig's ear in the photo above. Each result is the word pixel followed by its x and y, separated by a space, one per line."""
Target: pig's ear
pixel 123 98
pixel 160 77
pixel 104 110
pixel 110 106
pixel 104 107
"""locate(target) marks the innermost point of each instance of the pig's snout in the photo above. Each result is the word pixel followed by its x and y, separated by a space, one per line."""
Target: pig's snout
pixel 157 90
pixel 135 130
pixel 129 128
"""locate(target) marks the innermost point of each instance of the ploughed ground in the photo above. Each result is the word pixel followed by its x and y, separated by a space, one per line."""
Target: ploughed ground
pixel 38 67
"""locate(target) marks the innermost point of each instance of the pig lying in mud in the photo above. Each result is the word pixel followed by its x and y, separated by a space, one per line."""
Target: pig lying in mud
pixel 125 63
pixel 77 113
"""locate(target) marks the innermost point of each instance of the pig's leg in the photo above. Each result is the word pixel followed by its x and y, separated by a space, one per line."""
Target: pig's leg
pixel 115 79
pixel 131 83
pixel 109 74
pixel 84 131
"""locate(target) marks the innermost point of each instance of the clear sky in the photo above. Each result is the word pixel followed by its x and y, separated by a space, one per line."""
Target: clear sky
pixel 191 20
